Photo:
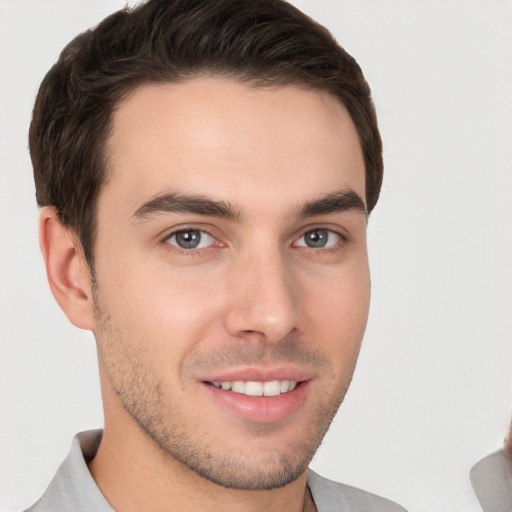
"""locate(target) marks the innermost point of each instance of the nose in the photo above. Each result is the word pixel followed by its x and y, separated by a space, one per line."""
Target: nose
pixel 262 299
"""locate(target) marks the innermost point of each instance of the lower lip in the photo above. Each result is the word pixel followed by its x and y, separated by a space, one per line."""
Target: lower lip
pixel 260 409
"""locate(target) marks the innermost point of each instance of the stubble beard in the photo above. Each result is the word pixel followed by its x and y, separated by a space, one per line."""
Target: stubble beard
pixel 134 379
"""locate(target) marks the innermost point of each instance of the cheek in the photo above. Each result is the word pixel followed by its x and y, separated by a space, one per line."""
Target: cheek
pixel 339 311
pixel 167 307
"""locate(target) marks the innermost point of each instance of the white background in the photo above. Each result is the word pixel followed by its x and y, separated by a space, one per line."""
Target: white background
pixel 432 392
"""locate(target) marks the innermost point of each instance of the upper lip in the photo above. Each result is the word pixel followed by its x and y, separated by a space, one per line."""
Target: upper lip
pixel 259 374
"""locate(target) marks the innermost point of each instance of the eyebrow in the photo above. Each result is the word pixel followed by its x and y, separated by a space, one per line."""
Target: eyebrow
pixel 184 203
pixel 335 202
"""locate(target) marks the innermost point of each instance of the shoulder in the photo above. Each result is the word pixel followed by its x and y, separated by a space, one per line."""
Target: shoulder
pixel 496 460
pixel 491 479
pixel 330 496
pixel 496 467
pixel 73 488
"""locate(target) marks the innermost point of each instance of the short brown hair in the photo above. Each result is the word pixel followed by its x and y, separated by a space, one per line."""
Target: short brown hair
pixel 262 42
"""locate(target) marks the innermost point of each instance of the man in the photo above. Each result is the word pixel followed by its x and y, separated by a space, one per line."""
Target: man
pixel 206 170
pixel 492 479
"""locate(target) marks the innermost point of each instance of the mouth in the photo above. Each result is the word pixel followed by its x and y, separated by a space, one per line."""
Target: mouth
pixel 259 401
pixel 253 388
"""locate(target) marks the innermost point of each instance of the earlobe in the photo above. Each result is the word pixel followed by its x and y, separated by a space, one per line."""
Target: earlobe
pixel 67 271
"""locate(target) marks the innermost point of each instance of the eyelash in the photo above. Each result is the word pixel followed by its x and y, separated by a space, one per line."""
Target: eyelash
pixel 198 252
pixel 186 252
pixel 330 248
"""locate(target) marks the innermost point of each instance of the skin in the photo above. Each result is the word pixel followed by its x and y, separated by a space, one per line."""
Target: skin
pixel 253 297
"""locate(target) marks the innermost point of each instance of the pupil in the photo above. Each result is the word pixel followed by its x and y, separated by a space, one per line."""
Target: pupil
pixel 188 239
pixel 317 238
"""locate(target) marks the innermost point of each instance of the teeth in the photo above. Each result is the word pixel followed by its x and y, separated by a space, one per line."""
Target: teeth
pixel 270 388
pixel 238 387
pixel 253 388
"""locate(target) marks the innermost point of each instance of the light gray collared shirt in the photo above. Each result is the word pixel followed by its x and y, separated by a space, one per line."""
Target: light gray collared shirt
pixel 74 490
pixel 492 481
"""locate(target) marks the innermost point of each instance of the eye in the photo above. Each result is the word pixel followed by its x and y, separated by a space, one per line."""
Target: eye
pixel 190 239
pixel 318 239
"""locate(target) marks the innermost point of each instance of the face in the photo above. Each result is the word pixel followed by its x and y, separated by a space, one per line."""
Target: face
pixel 232 283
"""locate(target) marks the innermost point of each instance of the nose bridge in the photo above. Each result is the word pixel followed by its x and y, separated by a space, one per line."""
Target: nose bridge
pixel 262 298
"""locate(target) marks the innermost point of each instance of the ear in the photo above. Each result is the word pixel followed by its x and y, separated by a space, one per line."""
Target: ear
pixel 68 273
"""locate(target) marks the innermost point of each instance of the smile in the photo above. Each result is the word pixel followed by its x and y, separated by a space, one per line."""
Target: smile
pixel 259 401
pixel 251 388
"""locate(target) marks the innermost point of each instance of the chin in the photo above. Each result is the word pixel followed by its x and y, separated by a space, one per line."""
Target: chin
pixel 250 473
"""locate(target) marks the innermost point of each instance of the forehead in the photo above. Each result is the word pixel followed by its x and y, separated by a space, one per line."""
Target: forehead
pixel 220 137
